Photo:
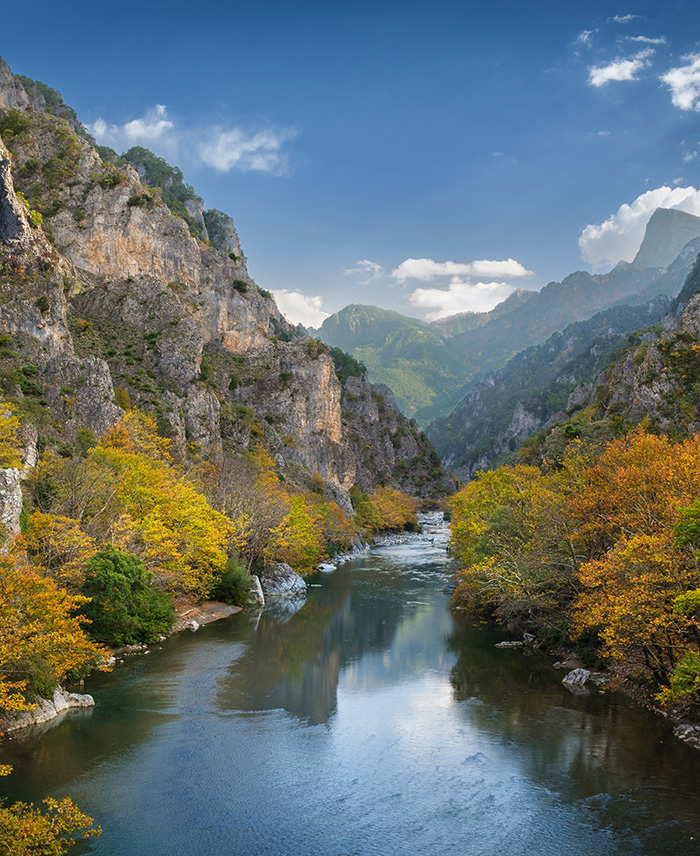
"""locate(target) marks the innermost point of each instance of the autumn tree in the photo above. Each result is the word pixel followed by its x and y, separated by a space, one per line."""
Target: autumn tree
pixel 41 639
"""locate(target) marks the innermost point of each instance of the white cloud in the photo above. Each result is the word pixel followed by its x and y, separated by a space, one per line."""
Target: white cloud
pixel 684 83
pixel 619 237
pixel 236 149
pixel 645 40
pixel 146 130
pixel 370 270
pixel 222 149
pixel 584 38
pixel 460 297
pixel 300 308
pixel 623 19
pixel 620 69
pixel 427 269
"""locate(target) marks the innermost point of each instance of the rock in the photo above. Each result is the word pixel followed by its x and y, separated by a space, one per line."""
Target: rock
pixel 576 677
pixel 515 644
pixel 280 580
pixel 327 567
pixel 256 592
pixel 45 710
pixel 689 734
pixel 10 501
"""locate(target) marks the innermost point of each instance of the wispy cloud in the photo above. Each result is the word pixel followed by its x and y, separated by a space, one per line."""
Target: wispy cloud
pixel 584 38
pixel 684 83
pixel 223 149
pixel 622 19
pixel 620 69
pixel 646 40
pixel 604 244
pixel 301 308
pixel 427 269
pixel 259 152
pixel 367 269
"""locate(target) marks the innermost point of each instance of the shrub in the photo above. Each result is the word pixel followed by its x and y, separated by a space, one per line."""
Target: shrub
pixel 14 122
pixel 234 585
pixel 124 606
pixel 240 285
pixel 42 304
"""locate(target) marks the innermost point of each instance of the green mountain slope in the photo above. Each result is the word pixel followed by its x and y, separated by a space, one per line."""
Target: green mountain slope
pixel 433 366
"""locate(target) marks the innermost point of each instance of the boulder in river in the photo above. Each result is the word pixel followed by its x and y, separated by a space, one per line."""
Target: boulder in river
pixel 280 580
pixel 576 678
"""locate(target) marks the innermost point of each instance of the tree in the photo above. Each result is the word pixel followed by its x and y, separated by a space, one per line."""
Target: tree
pixel 10 444
pixel 123 606
pixel 41 639
pixel 25 831
pixel 59 548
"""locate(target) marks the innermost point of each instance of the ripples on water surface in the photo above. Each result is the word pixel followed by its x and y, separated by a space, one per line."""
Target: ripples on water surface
pixel 367 722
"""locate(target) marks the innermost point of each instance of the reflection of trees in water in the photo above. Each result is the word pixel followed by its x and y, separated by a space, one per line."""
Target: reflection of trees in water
pixel 295 665
pixel 132 701
pixel 578 745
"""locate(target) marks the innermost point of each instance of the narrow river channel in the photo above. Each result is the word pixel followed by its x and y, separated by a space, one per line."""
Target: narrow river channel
pixel 369 721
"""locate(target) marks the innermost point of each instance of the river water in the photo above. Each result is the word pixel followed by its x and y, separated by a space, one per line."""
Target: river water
pixel 370 721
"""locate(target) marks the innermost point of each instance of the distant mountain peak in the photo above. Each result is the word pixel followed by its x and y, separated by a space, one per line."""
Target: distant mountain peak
pixel 667 232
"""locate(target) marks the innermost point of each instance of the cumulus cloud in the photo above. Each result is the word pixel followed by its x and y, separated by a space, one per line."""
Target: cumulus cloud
pixel 620 69
pixel 460 296
pixel 222 149
pixel 619 237
pixel 427 269
pixel 259 152
pixel 684 83
pixel 300 308
pixel 146 130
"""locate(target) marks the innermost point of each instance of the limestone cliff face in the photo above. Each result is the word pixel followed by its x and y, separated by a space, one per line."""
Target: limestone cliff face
pixel 126 306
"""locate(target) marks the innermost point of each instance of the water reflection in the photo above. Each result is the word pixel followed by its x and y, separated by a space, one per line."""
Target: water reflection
pixel 367 721
pixel 296 656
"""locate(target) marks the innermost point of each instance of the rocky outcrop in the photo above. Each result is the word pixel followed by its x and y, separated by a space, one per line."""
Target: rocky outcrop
pixel 46 710
pixel 10 503
pixel 279 580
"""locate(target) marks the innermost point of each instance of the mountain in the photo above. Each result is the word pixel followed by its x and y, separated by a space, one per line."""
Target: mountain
pixel 654 381
pixel 534 387
pixel 119 290
pixel 433 366
pixel 666 233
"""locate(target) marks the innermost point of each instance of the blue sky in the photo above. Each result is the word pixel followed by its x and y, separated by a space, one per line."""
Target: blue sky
pixel 425 157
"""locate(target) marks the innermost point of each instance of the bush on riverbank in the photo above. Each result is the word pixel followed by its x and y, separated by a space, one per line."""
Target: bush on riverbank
pixel 124 607
pixel 600 552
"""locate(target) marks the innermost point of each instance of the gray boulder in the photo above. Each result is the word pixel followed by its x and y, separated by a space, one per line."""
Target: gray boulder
pixel 280 580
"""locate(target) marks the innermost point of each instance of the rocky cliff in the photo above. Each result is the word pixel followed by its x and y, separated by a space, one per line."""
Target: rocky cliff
pixel 108 300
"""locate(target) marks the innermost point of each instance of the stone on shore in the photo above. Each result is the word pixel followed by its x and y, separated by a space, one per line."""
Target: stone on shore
pixel 46 710
pixel 281 581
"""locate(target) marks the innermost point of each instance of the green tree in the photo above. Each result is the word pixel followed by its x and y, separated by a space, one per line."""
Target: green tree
pixel 124 606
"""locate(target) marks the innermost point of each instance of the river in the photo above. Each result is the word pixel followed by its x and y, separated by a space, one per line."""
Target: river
pixel 370 721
